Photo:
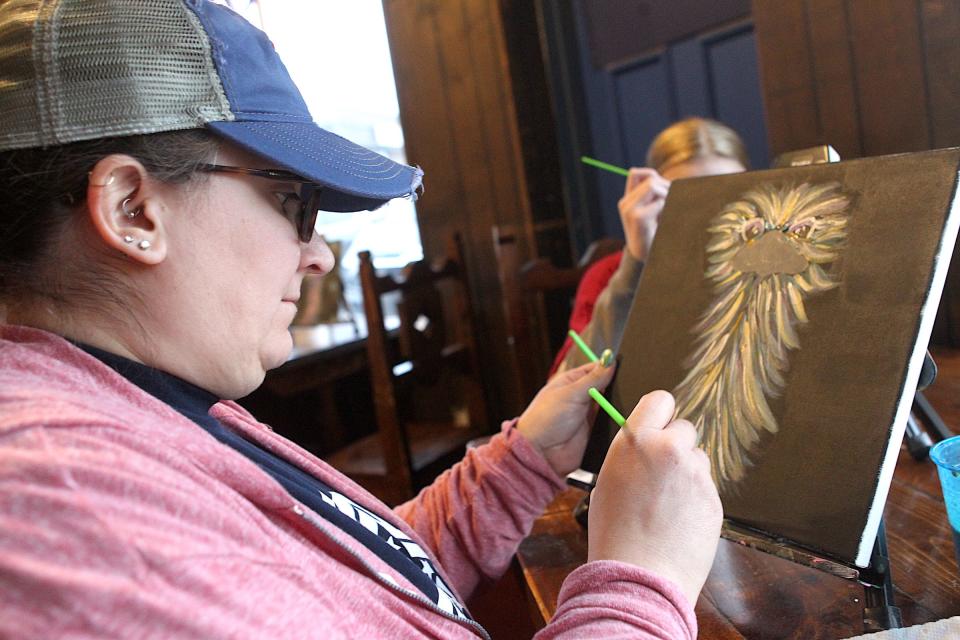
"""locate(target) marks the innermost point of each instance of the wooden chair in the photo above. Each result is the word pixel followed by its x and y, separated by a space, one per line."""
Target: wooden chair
pixel 537 302
pixel 427 394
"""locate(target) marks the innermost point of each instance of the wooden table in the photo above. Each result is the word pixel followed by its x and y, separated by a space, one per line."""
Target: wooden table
pixel 750 594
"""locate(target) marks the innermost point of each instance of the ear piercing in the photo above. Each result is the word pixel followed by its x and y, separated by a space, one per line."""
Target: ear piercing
pixel 143 245
pixel 105 184
pixel 123 205
pixel 129 214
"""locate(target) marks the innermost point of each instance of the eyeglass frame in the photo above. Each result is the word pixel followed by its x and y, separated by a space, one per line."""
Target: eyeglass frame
pixel 306 219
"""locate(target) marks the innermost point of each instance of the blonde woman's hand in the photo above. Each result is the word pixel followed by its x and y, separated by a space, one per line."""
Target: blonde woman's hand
pixel 643 197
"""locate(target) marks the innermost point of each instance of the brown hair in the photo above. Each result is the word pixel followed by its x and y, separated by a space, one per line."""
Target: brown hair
pixel 43 190
pixel 692 139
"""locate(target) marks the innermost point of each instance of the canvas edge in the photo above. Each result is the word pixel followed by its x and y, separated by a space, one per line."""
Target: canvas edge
pixel 927 317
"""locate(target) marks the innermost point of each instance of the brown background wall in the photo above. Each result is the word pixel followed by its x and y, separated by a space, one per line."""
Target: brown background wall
pixel 870 77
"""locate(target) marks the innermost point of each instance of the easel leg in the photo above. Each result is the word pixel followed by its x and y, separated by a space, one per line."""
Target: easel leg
pixel 879 611
pixel 936 427
pixel 917 440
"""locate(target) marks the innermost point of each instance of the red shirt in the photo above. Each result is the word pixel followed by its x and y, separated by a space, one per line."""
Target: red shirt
pixel 594 281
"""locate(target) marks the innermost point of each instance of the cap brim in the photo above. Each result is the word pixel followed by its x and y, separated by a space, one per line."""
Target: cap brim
pixel 355 178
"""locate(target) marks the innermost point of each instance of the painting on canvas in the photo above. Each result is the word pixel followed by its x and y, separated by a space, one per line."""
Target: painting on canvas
pixel 788 312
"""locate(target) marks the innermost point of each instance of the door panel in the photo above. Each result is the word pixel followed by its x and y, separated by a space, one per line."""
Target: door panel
pixel 737 99
pixel 712 74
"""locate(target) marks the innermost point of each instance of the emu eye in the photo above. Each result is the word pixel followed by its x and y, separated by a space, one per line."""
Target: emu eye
pixel 752 229
pixel 801 229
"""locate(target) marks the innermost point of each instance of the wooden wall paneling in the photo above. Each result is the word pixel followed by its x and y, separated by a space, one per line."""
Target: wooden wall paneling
pixel 421 94
pixel 472 152
pixel 498 120
pixel 455 105
pixel 833 77
pixel 614 101
pixel 487 140
pixel 623 29
pixel 940 24
pixel 889 71
pixel 885 80
pixel 870 78
pixel 786 74
pixel 509 186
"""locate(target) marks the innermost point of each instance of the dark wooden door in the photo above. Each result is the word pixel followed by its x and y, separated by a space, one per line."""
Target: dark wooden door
pixel 614 98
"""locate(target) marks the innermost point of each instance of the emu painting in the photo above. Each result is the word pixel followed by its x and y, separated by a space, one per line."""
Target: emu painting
pixel 767 253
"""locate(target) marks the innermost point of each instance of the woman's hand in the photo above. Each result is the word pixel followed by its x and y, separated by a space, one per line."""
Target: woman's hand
pixel 640 207
pixel 557 422
pixel 655 504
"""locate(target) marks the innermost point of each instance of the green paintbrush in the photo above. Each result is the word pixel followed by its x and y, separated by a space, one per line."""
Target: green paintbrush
pixel 603 165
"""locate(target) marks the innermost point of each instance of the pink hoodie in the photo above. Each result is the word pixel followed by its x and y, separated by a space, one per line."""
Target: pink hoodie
pixel 121 518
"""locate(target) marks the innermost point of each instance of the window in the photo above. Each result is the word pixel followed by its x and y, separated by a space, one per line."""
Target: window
pixel 338 55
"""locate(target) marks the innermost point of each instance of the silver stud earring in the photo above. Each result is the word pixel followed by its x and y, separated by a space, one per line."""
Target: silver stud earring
pixel 128 239
pixel 129 214
pixel 143 245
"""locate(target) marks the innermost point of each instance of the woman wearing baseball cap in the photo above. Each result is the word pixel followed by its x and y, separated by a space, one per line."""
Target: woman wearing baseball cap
pixel 160 178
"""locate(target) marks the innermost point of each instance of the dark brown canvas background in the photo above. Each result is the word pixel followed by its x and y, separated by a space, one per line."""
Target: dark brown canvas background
pixel 814 481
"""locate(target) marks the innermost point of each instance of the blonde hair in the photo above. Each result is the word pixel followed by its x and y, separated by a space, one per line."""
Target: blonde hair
pixel 692 139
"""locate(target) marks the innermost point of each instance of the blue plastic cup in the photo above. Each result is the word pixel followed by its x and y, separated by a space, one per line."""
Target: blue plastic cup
pixel 946 454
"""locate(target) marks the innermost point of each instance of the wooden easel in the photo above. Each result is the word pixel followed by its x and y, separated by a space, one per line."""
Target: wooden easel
pixel 879 611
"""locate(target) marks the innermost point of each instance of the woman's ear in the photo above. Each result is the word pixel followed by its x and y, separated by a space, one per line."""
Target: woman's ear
pixel 124 205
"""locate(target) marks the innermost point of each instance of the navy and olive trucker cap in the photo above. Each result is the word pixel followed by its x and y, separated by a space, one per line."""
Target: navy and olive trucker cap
pixel 73 70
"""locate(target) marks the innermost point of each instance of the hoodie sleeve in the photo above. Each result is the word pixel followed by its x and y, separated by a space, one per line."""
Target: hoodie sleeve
pixel 475 514
pixel 607 599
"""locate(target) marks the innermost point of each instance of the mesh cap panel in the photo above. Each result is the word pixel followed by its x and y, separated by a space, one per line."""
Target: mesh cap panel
pixel 17 88
pixel 83 69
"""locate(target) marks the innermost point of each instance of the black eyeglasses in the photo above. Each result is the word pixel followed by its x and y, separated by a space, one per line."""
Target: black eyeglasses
pixel 300 208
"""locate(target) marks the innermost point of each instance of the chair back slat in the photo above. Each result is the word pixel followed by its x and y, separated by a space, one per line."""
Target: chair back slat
pixel 533 325
pixel 435 344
